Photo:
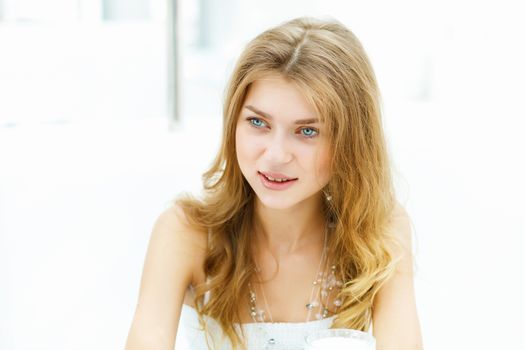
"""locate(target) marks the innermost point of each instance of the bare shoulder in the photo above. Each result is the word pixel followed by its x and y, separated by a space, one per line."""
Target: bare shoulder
pixel 395 318
pixel 187 242
pixel 400 227
pixel 173 221
pixel 174 254
pixel 173 231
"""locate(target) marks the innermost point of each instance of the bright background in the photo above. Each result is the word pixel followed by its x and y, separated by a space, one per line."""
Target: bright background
pixel 90 154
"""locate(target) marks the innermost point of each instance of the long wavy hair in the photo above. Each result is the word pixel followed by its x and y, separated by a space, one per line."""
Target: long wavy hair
pixel 328 64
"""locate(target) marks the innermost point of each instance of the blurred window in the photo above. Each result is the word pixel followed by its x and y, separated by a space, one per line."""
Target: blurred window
pixel 64 60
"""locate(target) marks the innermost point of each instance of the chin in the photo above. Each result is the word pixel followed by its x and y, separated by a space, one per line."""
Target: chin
pixel 271 202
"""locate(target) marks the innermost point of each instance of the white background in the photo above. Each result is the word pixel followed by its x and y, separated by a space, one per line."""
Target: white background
pixel 88 158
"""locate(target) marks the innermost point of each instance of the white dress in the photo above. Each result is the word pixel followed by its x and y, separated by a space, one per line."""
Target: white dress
pixel 274 336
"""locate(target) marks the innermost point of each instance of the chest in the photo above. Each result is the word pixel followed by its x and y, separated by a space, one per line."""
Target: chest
pixel 295 289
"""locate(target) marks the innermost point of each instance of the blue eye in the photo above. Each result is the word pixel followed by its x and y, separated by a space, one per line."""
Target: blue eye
pixel 258 123
pixel 309 132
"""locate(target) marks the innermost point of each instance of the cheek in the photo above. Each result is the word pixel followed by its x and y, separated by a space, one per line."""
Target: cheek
pixel 245 147
pixel 322 166
pixel 239 146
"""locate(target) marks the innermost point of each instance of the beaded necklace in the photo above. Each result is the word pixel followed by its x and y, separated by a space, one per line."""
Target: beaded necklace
pixel 326 282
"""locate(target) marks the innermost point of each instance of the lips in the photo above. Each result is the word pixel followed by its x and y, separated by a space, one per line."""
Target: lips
pixel 276 177
pixel 277 182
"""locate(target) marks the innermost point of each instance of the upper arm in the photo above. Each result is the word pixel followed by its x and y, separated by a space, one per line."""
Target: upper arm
pixel 172 256
pixel 395 320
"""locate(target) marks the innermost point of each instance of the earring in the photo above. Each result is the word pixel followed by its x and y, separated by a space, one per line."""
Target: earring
pixel 331 215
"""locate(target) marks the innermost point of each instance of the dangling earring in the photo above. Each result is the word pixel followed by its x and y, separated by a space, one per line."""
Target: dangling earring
pixel 331 217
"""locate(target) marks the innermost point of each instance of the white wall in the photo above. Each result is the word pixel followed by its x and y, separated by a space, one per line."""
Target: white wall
pixel 82 71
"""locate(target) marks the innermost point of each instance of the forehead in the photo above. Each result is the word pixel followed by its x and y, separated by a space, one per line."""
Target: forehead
pixel 279 98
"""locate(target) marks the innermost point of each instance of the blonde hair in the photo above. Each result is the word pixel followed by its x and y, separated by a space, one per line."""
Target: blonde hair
pixel 329 65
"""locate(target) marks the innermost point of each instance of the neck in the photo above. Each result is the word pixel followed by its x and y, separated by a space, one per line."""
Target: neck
pixel 289 231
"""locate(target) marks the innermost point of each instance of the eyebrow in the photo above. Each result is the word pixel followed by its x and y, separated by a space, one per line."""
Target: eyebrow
pixel 266 115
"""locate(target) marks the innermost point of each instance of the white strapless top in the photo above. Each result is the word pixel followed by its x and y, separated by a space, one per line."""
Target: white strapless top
pixel 283 335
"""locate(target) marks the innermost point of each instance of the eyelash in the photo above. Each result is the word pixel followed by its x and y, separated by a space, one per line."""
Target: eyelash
pixel 252 119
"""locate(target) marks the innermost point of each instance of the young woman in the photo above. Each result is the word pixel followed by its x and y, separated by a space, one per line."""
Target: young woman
pixel 299 229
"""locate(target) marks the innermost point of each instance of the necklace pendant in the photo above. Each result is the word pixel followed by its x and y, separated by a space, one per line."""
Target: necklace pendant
pixel 312 304
pixel 262 315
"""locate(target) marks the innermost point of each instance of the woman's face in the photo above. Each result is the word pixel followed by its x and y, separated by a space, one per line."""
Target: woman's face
pixel 282 149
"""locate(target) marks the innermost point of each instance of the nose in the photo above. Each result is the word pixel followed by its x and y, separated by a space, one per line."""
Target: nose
pixel 278 150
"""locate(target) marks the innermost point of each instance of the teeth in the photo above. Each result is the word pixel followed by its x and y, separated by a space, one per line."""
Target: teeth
pixel 276 180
